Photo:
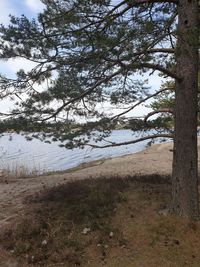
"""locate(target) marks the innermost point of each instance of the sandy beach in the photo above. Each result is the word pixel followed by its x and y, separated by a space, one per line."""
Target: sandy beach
pixel 156 159
pixel 138 214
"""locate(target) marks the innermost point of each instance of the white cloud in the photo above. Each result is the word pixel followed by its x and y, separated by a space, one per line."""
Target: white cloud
pixel 16 64
pixel 34 5
pixel 9 68
pixel 138 112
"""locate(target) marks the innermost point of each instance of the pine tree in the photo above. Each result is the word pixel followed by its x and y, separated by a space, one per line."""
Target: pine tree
pixel 87 52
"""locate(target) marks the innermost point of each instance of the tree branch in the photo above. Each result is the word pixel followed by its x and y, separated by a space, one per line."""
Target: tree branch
pixel 132 3
pixel 163 110
pixel 154 67
pixel 147 65
pixel 135 141
pixel 87 92
pixel 10 114
pixel 158 50
pixel 142 101
pixel 139 53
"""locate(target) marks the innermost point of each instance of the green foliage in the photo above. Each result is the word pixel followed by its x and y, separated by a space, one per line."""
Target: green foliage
pixel 164 100
pixel 86 54
pixel 167 100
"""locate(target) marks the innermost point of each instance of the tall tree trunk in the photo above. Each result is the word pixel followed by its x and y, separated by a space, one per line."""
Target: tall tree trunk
pixel 185 169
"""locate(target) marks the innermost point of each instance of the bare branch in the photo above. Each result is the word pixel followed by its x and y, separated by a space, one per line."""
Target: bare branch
pixel 142 101
pixel 135 141
pixel 160 50
pixel 163 110
pixel 142 65
pixel 10 114
pixel 154 67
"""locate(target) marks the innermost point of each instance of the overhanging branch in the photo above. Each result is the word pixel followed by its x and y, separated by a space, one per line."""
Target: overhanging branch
pixel 135 141
pixel 142 101
pixel 84 94
pixel 153 67
pixel 132 3
pixel 163 110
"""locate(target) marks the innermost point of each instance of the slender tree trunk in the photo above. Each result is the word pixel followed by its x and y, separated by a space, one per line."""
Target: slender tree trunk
pixel 185 169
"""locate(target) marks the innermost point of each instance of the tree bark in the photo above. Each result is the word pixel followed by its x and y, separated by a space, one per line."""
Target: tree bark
pixel 185 169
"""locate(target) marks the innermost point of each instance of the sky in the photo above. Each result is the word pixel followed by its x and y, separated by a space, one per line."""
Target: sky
pixel 19 7
pixel 31 8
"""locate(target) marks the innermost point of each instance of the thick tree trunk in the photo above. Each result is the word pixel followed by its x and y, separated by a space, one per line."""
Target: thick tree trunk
pixel 185 169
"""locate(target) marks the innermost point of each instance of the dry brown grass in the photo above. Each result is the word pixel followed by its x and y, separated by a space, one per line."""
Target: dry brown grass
pixel 128 208
pixel 18 171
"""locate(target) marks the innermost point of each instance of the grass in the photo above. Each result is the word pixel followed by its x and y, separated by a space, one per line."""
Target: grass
pixel 125 228
pixel 21 170
pixel 15 171
pixel 24 171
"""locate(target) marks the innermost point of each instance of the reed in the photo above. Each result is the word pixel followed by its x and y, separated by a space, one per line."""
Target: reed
pixel 20 170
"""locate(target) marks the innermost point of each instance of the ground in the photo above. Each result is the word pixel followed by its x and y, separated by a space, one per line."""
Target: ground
pixel 154 160
pixel 120 207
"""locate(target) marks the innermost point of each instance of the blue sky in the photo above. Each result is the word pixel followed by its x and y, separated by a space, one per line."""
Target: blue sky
pixel 18 7
pixel 31 8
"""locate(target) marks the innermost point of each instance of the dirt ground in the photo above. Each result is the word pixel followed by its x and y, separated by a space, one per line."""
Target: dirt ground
pixel 156 159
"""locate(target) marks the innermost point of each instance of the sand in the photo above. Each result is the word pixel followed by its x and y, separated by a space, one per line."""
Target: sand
pixel 156 159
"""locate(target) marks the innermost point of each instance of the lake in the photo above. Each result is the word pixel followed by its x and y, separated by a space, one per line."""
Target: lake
pixel 17 152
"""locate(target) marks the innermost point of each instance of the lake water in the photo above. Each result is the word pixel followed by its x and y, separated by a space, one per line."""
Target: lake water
pixel 16 152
